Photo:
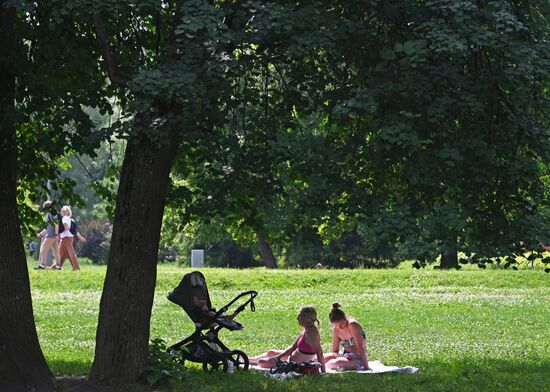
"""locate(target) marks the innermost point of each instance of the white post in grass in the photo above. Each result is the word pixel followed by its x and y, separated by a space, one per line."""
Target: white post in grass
pixel 197 258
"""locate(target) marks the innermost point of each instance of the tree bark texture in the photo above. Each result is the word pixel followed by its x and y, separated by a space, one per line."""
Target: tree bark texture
pixel 265 250
pixel 124 319
pixel 22 363
pixel 449 258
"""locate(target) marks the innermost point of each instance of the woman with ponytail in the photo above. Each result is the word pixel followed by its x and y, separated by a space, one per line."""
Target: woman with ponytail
pixel 348 333
pixel 306 348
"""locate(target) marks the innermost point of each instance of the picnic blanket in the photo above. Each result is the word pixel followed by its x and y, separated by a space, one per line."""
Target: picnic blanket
pixel 376 367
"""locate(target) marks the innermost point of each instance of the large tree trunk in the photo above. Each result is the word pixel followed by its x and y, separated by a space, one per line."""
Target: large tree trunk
pixel 265 250
pixel 449 258
pixel 22 364
pixel 125 311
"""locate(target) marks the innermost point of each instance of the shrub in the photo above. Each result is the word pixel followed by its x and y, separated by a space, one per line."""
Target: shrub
pixel 98 238
pixel 228 253
pixel 349 251
pixel 164 366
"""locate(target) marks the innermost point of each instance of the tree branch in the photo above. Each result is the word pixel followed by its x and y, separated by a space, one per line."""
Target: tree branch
pixel 157 31
pixel 110 64
pixel 135 26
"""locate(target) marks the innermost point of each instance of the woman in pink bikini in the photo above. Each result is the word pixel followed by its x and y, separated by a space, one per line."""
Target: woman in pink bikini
pixel 306 348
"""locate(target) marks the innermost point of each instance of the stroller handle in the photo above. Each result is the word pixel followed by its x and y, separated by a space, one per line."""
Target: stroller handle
pixel 250 301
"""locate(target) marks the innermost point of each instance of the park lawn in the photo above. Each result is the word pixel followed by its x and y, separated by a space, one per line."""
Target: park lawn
pixel 471 330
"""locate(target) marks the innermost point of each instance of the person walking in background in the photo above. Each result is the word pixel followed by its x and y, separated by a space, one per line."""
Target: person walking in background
pixel 50 234
pixel 32 248
pixel 67 240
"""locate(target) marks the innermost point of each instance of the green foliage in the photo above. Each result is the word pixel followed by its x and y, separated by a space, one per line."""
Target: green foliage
pixel 164 366
pixel 56 67
pixel 228 253
pixel 421 126
pixel 422 134
pixel 349 250
pixel 98 236
pixel 220 249
pixel 448 133
pixel 96 180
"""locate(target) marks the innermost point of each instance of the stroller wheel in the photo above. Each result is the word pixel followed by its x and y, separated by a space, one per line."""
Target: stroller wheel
pixel 239 359
pixel 218 363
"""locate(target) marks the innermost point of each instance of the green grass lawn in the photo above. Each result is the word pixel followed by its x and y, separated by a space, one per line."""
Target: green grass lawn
pixel 470 330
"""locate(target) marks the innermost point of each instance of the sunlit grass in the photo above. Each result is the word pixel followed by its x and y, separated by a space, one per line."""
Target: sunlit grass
pixel 466 330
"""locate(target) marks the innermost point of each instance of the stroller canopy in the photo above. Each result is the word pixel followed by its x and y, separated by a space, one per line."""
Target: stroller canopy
pixel 190 294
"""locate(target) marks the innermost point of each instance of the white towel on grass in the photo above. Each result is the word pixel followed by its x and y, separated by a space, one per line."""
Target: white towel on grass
pixel 375 367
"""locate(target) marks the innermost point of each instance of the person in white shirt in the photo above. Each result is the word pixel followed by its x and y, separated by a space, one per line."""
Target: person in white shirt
pixel 66 249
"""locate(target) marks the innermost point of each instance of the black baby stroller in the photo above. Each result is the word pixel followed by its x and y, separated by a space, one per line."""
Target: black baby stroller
pixel 206 348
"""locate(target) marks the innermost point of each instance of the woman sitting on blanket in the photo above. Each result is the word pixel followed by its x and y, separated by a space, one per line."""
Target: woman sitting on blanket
pixel 350 334
pixel 306 348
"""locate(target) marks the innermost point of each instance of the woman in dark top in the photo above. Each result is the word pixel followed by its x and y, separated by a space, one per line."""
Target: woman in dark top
pixel 50 234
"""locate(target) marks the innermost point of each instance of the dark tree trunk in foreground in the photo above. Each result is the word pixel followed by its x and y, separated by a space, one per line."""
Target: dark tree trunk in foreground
pixel 124 319
pixel 449 258
pixel 22 364
pixel 265 250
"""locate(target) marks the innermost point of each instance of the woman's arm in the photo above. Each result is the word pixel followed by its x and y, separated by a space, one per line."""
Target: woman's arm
pixel 313 338
pixel 80 237
pixel 361 344
pixel 335 342
pixel 287 352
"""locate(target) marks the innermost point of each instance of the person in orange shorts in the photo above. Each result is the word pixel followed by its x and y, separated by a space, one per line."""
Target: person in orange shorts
pixel 66 249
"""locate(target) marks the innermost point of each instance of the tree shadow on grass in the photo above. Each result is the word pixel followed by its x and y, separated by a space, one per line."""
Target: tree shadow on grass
pixel 71 376
pixel 434 375
pixel 486 375
pixel 69 367
pixel 81 384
